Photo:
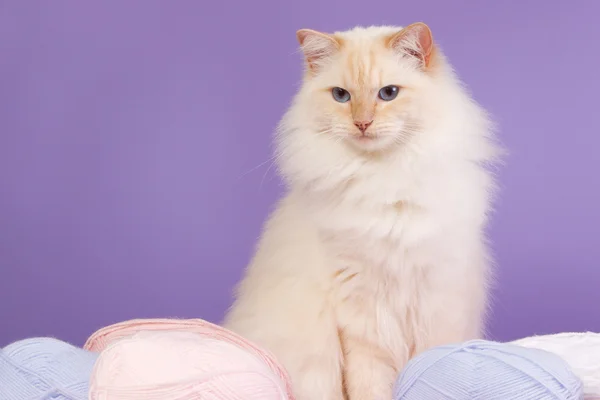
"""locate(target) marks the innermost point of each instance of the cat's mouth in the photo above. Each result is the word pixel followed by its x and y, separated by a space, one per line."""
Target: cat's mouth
pixel 365 138
pixel 368 141
pixel 365 141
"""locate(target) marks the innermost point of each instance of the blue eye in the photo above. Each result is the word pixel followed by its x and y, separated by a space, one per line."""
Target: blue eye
pixel 389 93
pixel 340 95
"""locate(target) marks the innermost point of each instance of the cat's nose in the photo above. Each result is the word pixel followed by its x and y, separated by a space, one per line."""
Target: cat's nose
pixel 362 125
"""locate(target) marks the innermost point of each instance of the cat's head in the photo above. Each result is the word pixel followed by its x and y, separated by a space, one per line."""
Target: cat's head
pixel 368 92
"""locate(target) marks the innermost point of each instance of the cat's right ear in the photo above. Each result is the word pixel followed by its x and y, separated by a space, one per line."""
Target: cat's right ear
pixel 415 41
pixel 317 47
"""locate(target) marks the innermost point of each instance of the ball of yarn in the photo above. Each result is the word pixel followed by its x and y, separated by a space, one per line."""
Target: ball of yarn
pixel 484 370
pixel 44 368
pixel 580 350
pixel 182 359
pixel 181 365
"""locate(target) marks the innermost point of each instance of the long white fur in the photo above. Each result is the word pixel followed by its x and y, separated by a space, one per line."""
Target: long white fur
pixel 378 251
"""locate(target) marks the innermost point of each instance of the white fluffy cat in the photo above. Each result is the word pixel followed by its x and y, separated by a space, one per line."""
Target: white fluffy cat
pixel 378 250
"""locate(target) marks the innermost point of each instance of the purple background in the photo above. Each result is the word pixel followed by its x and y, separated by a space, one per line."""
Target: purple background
pixel 129 131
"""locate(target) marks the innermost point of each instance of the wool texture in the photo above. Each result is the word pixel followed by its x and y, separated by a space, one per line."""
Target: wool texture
pixel 484 370
pixel 44 368
pixel 581 350
pixel 182 360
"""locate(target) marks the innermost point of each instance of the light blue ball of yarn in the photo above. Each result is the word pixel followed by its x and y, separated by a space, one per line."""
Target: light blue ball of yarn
pixel 484 370
pixel 45 368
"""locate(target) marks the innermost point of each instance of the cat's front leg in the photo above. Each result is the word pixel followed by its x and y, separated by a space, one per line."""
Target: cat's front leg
pixel 369 373
pixel 315 379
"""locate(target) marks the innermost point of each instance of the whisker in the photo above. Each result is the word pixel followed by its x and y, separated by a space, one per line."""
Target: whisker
pixel 266 172
pixel 284 146
pixel 256 167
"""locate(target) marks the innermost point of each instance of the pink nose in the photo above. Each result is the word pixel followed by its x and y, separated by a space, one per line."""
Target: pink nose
pixel 363 125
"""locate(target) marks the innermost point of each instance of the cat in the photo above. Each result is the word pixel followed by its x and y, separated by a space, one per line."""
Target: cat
pixel 378 250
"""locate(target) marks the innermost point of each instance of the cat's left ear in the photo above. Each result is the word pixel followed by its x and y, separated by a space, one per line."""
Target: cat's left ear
pixel 415 41
pixel 317 47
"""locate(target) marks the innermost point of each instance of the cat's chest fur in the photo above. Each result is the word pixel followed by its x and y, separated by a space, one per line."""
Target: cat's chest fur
pixel 385 240
pixel 375 276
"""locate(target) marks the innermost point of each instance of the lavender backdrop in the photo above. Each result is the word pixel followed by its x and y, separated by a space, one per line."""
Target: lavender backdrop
pixel 129 131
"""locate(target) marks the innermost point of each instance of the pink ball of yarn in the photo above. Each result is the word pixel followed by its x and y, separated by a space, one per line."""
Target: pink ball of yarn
pixel 159 359
pixel 183 366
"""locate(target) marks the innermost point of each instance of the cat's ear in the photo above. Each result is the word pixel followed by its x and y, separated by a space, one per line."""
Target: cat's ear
pixel 317 47
pixel 415 41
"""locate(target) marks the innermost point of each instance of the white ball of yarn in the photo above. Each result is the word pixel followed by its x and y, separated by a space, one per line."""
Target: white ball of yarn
pixel 181 365
pixel 580 350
